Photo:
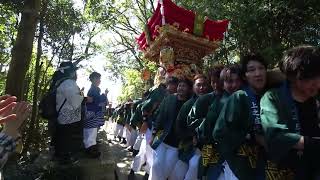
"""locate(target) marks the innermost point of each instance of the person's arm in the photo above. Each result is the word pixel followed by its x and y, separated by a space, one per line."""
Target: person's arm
pixel 94 96
pixel 10 133
pixel 136 118
pixel 232 125
pixel 7 146
pixel 7 102
pixel 161 118
pixel 181 123
pixel 206 128
pixel 278 136
pixel 198 112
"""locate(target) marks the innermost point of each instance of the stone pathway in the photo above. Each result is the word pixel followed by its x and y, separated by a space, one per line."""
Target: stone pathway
pixel 114 164
pixel 119 155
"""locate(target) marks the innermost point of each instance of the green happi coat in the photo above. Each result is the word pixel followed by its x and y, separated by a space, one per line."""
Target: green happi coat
pixel 231 129
pixel 185 134
pixel 199 110
pixel 155 97
pixel 166 120
pixel 127 115
pixel 210 159
pixel 281 133
pixel 121 116
pixel 275 113
pixel 207 126
pixel 151 104
pixel 136 118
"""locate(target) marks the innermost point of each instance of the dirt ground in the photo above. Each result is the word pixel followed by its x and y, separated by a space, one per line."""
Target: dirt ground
pixel 113 164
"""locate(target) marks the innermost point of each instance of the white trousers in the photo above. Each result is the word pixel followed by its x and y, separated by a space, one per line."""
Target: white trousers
pixel 184 171
pixel 109 127
pixel 132 138
pixel 90 137
pixel 165 159
pixel 145 154
pixel 118 130
pixel 228 174
pixel 124 132
pixel 138 141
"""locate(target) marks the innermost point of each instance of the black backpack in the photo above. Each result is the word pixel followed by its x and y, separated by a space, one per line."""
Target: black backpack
pixel 47 105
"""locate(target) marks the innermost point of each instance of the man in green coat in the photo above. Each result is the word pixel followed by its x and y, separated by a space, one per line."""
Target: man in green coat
pixel 120 120
pixel 211 164
pixel 149 109
pixel 200 108
pixel 164 138
pixel 238 130
pixel 289 115
pixel 187 166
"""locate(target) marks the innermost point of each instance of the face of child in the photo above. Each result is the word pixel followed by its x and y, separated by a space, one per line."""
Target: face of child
pixel 172 88
pixel 256 75
pixel 200 86
pixel 183 89
pixel 232 84
pixel 96 81
pixel 309 87
pixel 216 83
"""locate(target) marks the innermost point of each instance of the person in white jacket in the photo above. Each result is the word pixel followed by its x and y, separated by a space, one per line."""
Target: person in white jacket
pixel 69 130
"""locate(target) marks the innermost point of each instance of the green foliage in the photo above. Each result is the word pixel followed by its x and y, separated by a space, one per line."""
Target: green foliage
pixel 133 87
pixel 8 23
pixel 267 27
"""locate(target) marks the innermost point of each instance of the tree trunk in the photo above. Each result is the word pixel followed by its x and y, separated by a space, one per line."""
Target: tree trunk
pixel 34 130
pixel 22 49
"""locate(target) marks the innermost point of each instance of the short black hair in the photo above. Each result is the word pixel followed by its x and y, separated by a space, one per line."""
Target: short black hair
pixel 199 76
pixel 215 71
pixel 186 81
pixel 245 59
pixel 94 75
pixel 172 80
pixel 301 62
pixel 228 70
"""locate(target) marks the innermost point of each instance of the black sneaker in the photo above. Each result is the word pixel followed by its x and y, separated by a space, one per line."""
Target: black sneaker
pixel 135 152
pixel 146 176
pixel 131 175
pixel 123 141
pixel 130 149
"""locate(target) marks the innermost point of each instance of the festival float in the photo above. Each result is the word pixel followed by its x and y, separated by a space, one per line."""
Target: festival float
pixel 177 40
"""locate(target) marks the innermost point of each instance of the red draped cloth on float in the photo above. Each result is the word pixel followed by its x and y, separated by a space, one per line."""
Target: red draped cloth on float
pixel 173 14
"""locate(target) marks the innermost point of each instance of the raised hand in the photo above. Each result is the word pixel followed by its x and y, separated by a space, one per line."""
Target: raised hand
pixel 22 111
pixel 7 103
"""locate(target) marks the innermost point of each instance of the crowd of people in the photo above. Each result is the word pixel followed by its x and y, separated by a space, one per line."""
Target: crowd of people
pixel 234 123
pixel 246 125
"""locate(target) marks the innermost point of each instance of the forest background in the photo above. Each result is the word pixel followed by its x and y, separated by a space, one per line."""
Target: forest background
pixel 36 35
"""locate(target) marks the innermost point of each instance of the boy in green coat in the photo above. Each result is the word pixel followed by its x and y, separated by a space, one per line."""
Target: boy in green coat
pixel 210 162
pixel 200 108
pixel 149 109
pixel 187 166
pixel 238 130
pixel 289 114
pixel 164 138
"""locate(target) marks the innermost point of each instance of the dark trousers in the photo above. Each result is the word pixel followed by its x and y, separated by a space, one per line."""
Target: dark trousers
pixel 68 139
